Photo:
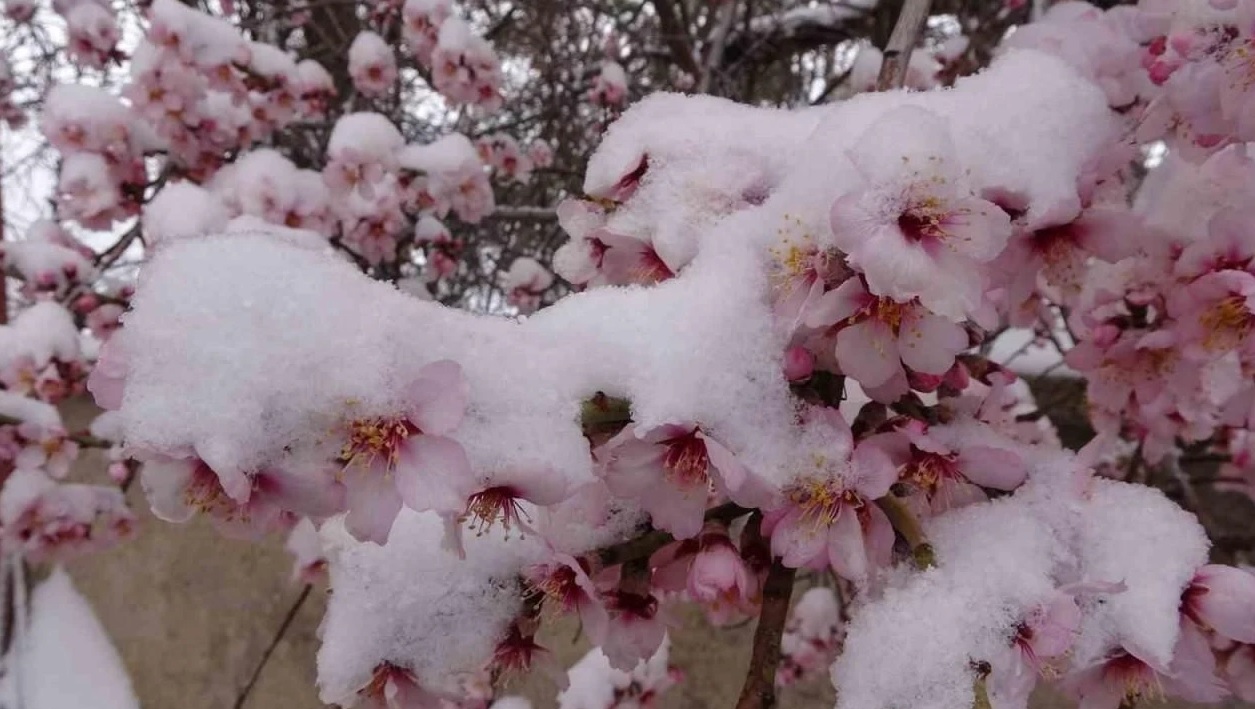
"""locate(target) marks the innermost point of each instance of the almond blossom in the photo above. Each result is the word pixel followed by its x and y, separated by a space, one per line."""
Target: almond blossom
pixel 408 458
pixel 876 336
pixel 915 231
pixel 672 470
pixel 830 517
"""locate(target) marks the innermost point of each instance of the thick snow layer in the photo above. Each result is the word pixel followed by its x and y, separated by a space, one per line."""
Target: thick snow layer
pixel 413 604
pixel 1134 535
pixel 914 647
pixel 66 660
pixel 41 332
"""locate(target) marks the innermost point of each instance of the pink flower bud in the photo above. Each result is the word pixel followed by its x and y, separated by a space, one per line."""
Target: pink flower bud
pixel 719 575
pixel 119 472
pixel 799 364
pixel 86 303
pixel 1222 598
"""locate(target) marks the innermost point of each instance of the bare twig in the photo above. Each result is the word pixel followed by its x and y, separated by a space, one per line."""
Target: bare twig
pixel 676 35
pixel 906 34
pixel 644 545
pixel 759 691
pixel 718 42
pixel 274 642
pixel 907 526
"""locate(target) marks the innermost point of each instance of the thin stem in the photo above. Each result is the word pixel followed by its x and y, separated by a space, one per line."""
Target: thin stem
pixel 274 642
pixel 906 34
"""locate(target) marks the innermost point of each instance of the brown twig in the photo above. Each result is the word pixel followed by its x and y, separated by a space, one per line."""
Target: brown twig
pixel 641 547
pixel 759 691
pixel 907 526
pixel 274 642
pixel 906 34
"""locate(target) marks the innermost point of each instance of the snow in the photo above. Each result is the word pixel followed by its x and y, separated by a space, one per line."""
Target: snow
pixel 594 684
pixel 24 408
pixel 33 259
pixel 227 333
pixel 42 332
pixel 448 153
pixel 1135 535
pixel 369 134
pixel 416 606
pixel 913 646
pixel 66 660
pixel 182 210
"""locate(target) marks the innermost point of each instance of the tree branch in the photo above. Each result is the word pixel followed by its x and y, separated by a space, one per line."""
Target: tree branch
pixel 676 35
pixel 759 691
pixel 906 34
pixel 907 526
pixel 643 546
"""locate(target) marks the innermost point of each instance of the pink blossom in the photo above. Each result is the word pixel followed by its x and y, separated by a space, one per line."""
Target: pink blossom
pixel 1215 312
pixel 421 25
pixel 812 636
pixel 1124 676
pixel 310 561
pixel 876 336
pixel 1059 254
pixel 915 231
pixel 830 517
pixel 93 34
pixel 371 65
pixel 409 457
pixel 105 320
pixel 670 470
pixel 179 488
pixel 610 87
pixel 505 497
pixel 1222 598
pixel 107 381
pixel 799 364
pixel 1239 669
pixel 710 570
pixel 636 629
pixel 1046 633
pixel 540 153
pixel 720 580
pixel 48 521
pixel 947 463
pixel 1229 245
pixel 564 581
pixel 46 448
pixel 393 687
pixel 801 273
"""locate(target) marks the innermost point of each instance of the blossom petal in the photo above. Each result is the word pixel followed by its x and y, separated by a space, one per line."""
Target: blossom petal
pixel 433 473
pixel 1227 603
pixel 837 304
pixel 679 510
pixel 928 343
pixel 437 397
pixel 868 352
pixel 988 466
pixel 846 549
pixel 797 541
pixel 373 506
pixel 165 484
